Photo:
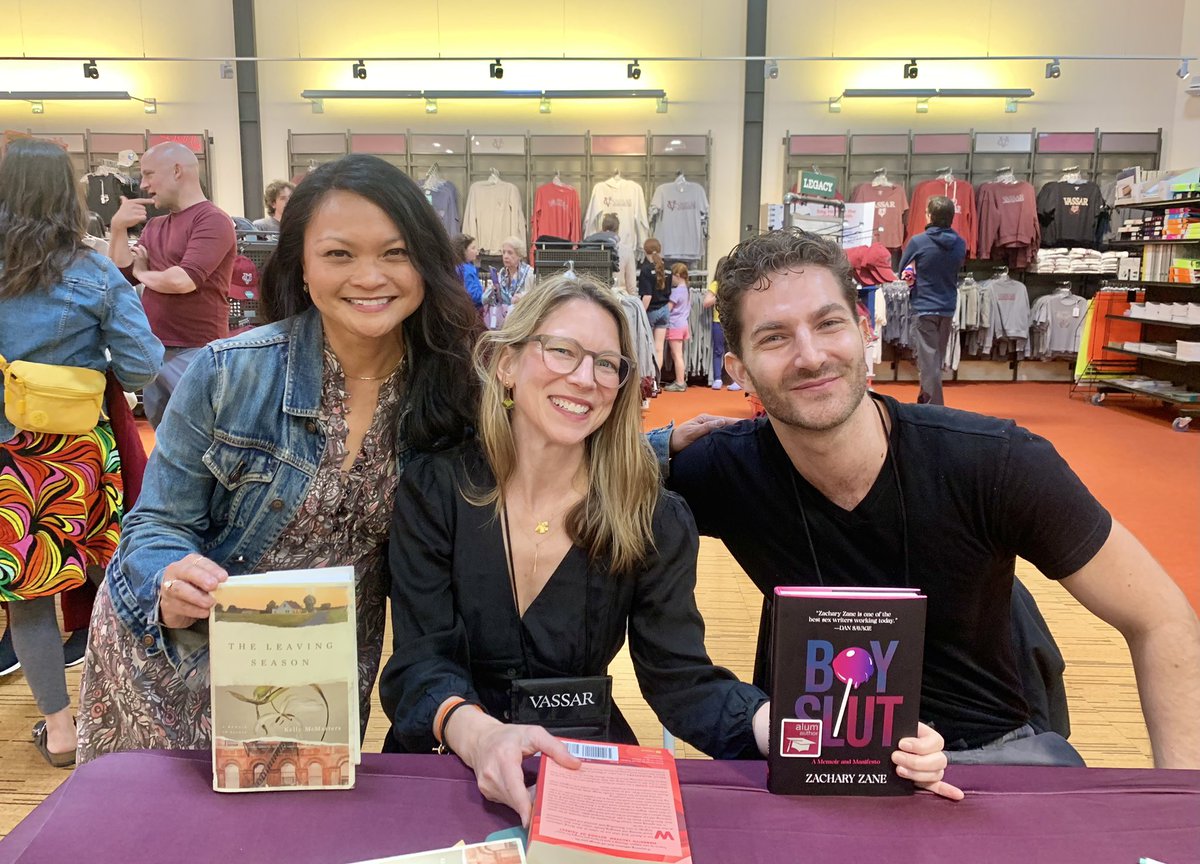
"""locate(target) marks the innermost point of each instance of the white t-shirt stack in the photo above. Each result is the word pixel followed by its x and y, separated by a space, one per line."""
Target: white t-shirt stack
pixel 679 214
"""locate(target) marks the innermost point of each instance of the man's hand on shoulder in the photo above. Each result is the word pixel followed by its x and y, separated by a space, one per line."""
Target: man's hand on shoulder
pixel 691 431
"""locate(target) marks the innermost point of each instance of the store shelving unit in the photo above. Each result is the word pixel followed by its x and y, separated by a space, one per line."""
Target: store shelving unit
pixel 1182 373
pixel 525 159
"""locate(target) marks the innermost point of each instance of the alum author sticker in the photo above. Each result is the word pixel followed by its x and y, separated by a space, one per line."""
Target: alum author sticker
pixel 800 739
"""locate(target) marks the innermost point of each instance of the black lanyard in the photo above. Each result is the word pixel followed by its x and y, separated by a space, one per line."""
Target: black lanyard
pixel 889 456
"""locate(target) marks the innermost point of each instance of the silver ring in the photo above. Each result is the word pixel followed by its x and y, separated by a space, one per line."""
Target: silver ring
pixel 167 583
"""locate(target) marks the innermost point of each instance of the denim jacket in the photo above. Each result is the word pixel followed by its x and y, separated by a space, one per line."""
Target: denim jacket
pixel 235 456
pixel 90 309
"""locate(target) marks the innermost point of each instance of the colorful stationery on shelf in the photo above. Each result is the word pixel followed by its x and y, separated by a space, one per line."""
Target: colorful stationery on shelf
pixel 283 659
pixel 622 805
pixel 845 688
pixel 509 851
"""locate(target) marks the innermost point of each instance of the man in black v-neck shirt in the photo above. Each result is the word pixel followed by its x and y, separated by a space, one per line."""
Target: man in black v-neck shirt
pixel 840 486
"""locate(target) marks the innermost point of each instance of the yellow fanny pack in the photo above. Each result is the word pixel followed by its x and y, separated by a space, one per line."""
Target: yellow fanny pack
pixel 61 400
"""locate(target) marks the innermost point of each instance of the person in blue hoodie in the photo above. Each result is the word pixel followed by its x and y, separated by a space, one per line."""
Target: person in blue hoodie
pixel 936 257
pixel 467 251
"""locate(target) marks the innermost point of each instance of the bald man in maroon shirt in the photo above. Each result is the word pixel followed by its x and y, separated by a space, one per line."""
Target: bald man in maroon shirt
pixel 184 260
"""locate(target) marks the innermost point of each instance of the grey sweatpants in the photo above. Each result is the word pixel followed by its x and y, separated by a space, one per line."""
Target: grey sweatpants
pixel 931 334
pixel 39 648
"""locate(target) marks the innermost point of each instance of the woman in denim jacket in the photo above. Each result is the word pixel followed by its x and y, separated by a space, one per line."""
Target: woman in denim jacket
pixel 60 495
pixel 281 448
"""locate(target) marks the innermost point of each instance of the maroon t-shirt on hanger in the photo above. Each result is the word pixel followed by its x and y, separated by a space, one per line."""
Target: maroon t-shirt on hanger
pixel 201 240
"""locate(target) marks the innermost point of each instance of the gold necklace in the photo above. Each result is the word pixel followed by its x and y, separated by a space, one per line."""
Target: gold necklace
pixel 375 377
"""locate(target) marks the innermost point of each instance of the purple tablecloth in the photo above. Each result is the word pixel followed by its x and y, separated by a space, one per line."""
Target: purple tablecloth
pixel 134 807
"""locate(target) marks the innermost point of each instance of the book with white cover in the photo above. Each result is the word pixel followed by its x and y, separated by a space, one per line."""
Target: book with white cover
pixel 284 675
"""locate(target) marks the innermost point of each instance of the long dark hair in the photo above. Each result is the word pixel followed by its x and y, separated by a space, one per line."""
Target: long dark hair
pixel 442 392
pixel 41 216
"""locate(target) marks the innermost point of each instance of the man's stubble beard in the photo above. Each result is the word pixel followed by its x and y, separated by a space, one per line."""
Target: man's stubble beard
pixel 780 408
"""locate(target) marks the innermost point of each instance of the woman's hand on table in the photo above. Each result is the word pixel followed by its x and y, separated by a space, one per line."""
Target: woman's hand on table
pixel 495 751
pixel 923 760
pixel 185 595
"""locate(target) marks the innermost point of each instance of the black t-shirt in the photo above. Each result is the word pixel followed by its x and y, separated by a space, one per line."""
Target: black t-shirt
pixel 1069 213
pixel 648 285
pixel 976 492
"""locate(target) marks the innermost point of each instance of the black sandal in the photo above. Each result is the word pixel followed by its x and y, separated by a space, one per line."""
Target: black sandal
pixel 55 760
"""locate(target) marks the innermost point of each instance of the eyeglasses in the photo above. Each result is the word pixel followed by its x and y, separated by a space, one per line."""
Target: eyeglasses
pixel 563 356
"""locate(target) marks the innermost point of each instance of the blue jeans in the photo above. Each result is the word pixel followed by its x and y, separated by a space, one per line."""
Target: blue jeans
pixel 659 317
pixel 1023 746
pixel 718 345
pixel 157 393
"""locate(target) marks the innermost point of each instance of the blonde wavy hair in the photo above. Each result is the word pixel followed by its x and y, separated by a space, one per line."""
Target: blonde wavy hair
pixel 615 517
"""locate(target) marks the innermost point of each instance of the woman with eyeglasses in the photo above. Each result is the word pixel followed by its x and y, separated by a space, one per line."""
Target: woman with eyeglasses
pixel 520 562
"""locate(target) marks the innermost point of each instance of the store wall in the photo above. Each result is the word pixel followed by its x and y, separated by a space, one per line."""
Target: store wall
pixel 1115 96
pixel 1183 150
pixel 192 96
pixel 703 96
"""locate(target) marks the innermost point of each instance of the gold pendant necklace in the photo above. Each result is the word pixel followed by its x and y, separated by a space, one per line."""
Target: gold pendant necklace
pixel 543 527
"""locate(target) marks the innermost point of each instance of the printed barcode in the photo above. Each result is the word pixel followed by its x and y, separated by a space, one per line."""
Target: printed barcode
pixel 592 751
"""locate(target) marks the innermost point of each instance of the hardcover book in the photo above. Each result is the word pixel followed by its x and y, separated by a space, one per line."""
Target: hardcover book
pixel 622 805
pixel 845 688
pixel 284 676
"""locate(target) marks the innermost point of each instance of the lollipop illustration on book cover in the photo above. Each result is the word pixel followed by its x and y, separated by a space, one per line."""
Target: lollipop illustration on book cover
pixel 845 688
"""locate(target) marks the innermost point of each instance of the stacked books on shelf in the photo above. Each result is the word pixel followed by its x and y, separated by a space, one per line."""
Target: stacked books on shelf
pixel 845 688
pixel 1181 223
pixel 283 666
pixel 1185 270
pixel 1175 313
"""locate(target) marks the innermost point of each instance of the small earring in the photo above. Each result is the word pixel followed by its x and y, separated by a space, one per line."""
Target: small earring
pixel 507 401
pixel 304 285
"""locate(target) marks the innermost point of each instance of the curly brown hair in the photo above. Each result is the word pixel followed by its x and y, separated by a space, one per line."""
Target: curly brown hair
pixel 752 263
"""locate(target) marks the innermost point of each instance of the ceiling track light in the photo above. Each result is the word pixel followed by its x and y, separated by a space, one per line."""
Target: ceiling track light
pixel 359 70
pixel 633 70
pixel 150 106
pixel 226 70
pixel 37 107
pixel 544 106
pixel 1054 69
pixel 771 69
pixel 495 70
pixel 910 70
pixel 1010 105
pixel 91 70
pixel 1183 70
pixel 922 106
pixel 661 105
pixel 431 106
pixel 835 105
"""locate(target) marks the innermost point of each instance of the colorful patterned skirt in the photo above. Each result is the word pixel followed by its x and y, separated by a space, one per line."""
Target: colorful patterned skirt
pixel 60 510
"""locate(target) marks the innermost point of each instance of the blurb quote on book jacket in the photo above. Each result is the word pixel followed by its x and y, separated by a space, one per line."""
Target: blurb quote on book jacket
pixel 622 805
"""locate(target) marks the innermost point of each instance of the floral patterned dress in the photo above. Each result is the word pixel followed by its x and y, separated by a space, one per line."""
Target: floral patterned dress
pixel 130 700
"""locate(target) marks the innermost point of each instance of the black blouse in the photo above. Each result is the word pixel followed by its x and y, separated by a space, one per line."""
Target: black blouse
pixel 455 626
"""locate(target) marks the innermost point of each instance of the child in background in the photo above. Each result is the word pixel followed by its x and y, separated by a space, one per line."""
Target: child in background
pixel 718 335
pixel 677 327
pixel 467 251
